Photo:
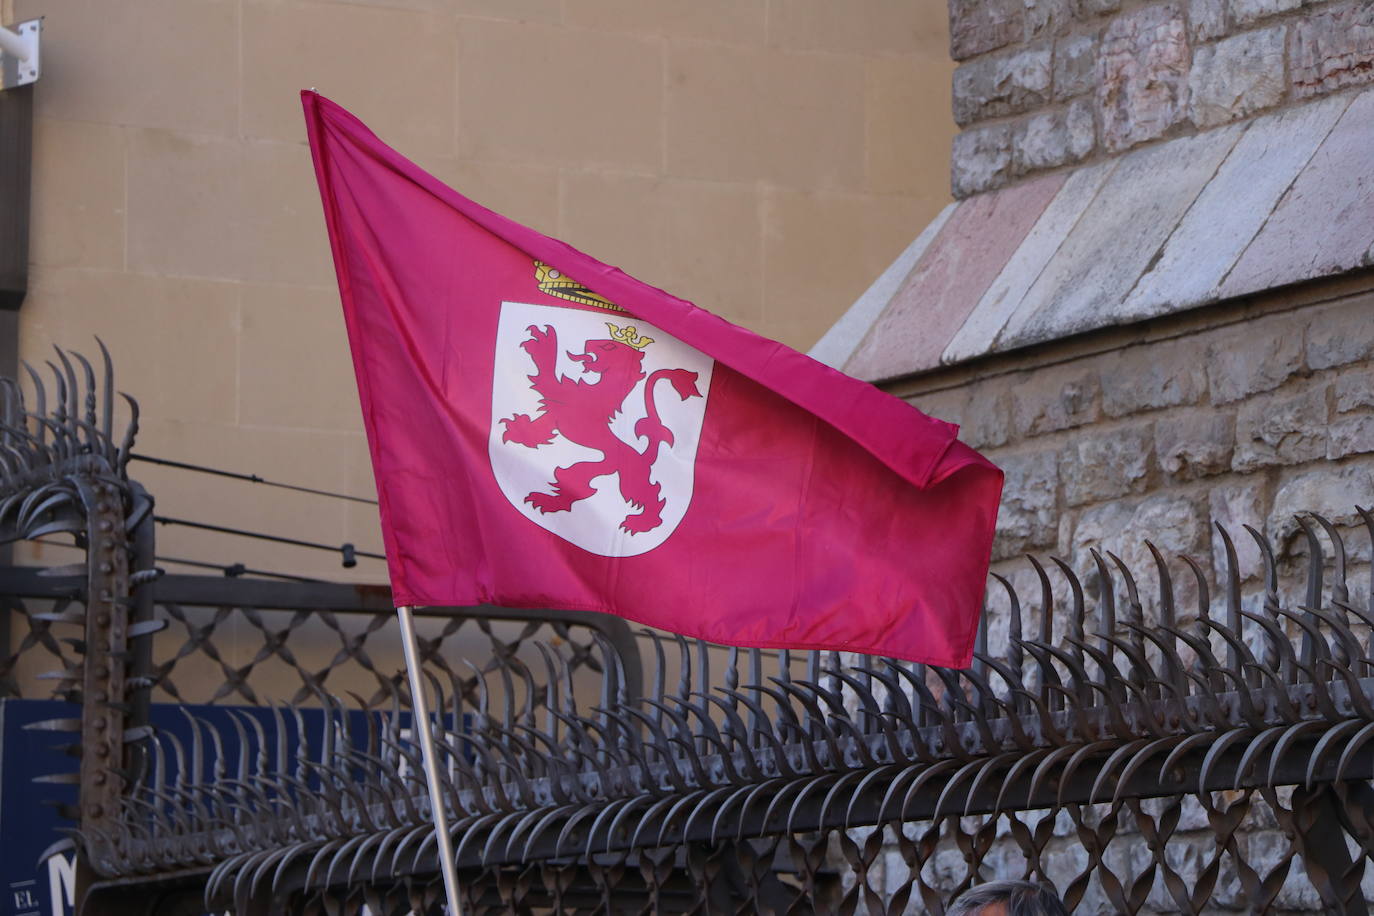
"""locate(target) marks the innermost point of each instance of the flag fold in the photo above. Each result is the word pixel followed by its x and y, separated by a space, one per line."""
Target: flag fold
pixel 547 431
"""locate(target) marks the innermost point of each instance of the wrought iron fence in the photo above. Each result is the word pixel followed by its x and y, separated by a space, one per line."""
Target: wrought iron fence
pixel 1145 748
pixel 874 784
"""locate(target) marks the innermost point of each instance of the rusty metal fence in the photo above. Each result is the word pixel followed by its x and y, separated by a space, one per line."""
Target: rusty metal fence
pixel 1145 740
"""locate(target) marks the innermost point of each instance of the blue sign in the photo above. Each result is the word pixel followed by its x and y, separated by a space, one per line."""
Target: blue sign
pixel 29 818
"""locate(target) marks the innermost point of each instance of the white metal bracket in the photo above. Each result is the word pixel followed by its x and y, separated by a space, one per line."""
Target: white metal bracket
pixel 20 62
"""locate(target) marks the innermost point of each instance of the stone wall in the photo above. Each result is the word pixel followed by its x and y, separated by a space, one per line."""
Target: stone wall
pixel 1244 413
pixel 1049 83
pixel 1238 420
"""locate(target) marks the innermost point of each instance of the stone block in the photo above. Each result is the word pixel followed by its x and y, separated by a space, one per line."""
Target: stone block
pixel 1055 399
pixel 1281 429
pixel 1054 138
pixel 1086 283
pixel 1299 893
pixel 283 234
pixel 1173 523
pixel 1253 359
pixel 983 413
pixel 1234 506
pixel 838 345
pixel 551 11
pixel 559 70
pixel 1207 19
pixel 908 127
pixel 1237 76
pixel 1048 17
pixel 947 405
pixel 1075 65
pixel 1065 862
pixel 1150 377
pixel 820 251
pixel 1187 856
pixel 981 159
pixel 1102 466
pixel 77 205
pixel 275 320
pixel 963 259
pixel 1026 518
pixel 979 26
pixel 1245 12
pixel 1355 390
pixel 1080 128
pixel 1341 335
pixel 1010 83
pixel 290 46
pixel 1333 48
pixel 800 124
pixel 1324 224
pixel 1142 71
pixel 1232 208
pixel 979 331
pixel 1098 7
pixel 859 27
pixel 185 204
pixel 191 324
pixel 739 22
pixel 1351 436
pixel 156 63
pixel 1195 444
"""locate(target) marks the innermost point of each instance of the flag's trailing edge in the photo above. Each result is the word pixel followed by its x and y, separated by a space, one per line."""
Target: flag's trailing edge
pixel 869 532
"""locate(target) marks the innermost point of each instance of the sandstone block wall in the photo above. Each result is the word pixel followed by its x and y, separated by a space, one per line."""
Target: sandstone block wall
pixel 761 157
pixel 1049 83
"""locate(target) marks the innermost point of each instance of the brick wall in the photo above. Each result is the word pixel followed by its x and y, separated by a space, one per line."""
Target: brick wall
pixel 1049 83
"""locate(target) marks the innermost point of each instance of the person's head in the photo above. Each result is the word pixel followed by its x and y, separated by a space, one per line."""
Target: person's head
pixel 1007 898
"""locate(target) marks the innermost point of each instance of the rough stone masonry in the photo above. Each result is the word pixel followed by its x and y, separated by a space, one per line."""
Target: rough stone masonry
pixel 1048 83
pixel 1153 306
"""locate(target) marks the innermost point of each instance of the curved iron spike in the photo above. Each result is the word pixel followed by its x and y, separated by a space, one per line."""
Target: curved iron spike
pixel 1076 760
pixel 1258 743
pixel 1315 559
pixel 1351 748
pixel 1318 758
pixel 702 807
pixel 1291 735
pixel 1120 754
pixel 651 818
pixel 989 767
pixel 919 780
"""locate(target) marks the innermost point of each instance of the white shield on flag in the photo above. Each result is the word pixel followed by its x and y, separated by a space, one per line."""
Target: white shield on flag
pixel 596 418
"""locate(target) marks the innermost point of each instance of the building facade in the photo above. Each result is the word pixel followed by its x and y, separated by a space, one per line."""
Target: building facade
pixel 762 158
pixel 1152 305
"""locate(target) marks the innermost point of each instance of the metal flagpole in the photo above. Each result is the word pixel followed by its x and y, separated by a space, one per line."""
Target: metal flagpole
pixel 420 713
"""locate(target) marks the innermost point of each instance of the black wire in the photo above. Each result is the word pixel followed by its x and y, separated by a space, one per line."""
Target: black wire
pixel 313 545
pixel 251 478
pixel 234 570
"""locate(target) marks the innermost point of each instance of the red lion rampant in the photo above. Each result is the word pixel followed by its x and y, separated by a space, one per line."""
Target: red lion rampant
pixel 581 411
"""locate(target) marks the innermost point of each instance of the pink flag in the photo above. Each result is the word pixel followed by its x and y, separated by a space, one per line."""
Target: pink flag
pixel 549 432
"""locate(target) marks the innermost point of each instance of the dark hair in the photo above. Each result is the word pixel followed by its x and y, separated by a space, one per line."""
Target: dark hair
pixel 1021 897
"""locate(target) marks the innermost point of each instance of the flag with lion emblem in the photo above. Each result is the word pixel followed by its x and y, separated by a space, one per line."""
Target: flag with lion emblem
pixel 548 432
